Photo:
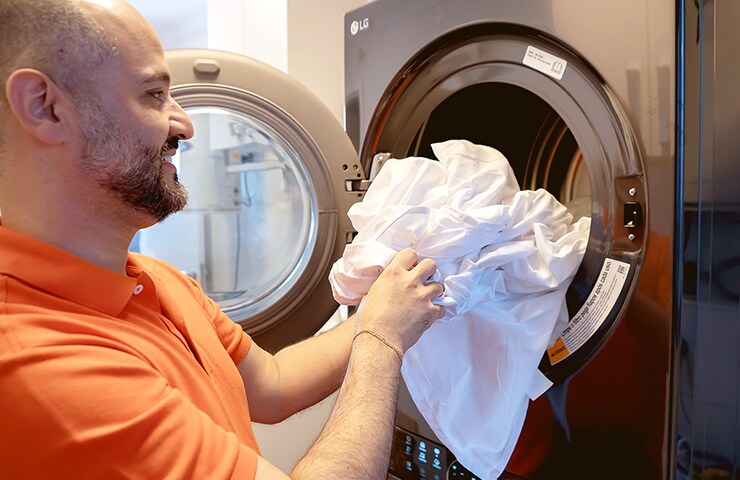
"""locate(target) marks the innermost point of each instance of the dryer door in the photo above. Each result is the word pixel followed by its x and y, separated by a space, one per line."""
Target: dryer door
pixel 561 127
pixel 266 218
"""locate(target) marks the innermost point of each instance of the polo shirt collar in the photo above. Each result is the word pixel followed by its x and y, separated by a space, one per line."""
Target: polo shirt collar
pixel 65 275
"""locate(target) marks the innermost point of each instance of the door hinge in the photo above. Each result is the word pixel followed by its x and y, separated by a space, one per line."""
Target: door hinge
pixel 362 185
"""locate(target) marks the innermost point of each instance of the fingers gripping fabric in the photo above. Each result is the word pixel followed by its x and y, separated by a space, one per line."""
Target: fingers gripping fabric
pixel 506 258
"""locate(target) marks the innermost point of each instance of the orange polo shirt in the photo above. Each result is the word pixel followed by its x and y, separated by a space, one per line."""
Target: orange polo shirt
pixel 111 376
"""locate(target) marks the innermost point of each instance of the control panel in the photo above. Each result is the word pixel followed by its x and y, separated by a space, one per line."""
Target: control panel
pixel 414 457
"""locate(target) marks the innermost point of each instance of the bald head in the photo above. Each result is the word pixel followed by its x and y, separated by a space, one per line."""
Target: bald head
pixel 61 38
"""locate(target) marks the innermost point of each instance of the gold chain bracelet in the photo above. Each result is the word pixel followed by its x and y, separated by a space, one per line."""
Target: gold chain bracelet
pixel 379 337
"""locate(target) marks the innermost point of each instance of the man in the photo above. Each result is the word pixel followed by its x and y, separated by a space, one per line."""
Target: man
pixel 114 365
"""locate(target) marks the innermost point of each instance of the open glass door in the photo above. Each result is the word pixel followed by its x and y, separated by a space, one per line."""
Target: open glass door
pixel 266 170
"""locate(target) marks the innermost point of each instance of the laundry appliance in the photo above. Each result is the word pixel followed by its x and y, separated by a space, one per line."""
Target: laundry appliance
pixel 594 101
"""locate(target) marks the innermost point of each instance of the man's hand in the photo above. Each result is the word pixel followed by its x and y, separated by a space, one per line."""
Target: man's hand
pixel 399 305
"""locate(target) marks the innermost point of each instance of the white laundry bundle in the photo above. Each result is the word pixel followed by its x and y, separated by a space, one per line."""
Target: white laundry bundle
pixel 506 258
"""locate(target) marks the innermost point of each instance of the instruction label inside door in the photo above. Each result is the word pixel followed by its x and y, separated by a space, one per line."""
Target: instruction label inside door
pixel 594 311
pixel 545 62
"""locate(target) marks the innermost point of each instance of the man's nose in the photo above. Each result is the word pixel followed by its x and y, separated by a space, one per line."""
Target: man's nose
pixel 180 124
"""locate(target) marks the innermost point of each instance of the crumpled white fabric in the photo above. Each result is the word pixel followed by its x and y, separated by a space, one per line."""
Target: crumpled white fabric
pixel 506 258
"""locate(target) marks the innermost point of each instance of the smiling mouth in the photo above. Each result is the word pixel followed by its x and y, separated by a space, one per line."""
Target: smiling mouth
pixel 169 149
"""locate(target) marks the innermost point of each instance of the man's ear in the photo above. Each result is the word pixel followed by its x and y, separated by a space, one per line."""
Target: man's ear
pixel 39 105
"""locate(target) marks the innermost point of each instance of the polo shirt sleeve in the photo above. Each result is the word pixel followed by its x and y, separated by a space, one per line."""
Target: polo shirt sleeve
pixel 90 411
pixel 234 339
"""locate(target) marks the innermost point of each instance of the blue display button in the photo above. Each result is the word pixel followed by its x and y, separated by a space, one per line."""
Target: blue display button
pixel 422 457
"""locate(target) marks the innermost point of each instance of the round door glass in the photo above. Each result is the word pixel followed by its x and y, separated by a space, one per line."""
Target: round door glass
pixel 249 227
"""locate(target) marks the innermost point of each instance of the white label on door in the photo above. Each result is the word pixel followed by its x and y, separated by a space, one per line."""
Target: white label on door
pixel 593 313
pixel 544 62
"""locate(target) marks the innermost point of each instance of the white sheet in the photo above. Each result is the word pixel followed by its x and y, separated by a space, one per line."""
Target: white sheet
pixel 506 258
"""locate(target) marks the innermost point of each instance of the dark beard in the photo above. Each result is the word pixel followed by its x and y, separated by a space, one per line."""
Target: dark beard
pixel 145 188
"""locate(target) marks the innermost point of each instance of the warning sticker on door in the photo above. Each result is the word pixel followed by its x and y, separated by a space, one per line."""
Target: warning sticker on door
pixel 592 314
pixel 544 62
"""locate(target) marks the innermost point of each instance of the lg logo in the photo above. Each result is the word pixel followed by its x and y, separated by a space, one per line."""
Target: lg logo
pixel 358 26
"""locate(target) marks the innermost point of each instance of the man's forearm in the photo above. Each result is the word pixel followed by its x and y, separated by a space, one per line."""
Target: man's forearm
pixel 355 443
pixel 314 368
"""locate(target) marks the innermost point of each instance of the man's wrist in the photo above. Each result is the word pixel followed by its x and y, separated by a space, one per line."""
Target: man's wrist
pixel 381 339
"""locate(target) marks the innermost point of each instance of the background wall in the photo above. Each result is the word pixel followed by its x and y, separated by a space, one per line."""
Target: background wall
pixel 304 39
pixel 316 47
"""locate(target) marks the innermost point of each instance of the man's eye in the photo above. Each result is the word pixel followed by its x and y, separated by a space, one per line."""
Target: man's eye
pixel 158 94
